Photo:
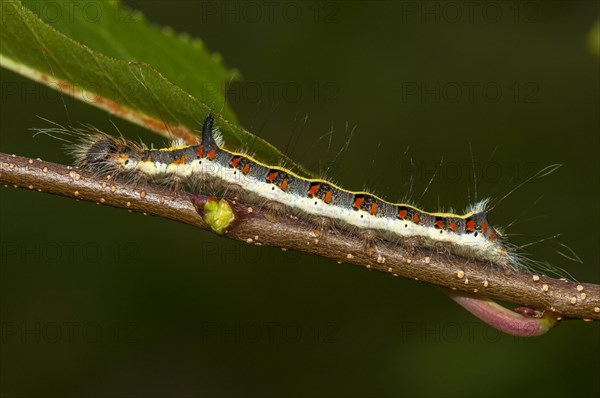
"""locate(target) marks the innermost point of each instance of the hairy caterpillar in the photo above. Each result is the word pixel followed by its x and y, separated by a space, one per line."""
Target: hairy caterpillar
pixel 208 166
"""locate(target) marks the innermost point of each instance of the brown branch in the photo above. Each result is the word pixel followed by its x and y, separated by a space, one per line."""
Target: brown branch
pixel 257 226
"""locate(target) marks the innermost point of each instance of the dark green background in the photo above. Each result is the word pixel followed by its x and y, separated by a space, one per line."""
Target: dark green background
pixel 182 312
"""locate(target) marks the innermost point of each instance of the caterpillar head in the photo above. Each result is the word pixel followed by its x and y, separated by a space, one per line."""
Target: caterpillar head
pixel 106 154
pixel 100 152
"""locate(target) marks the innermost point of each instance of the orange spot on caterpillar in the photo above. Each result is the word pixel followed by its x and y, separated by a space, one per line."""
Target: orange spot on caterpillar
pixel 358 202
pixel 485 227
pixel 211 154
pixel 416 218
pixel 328 197
pixel 471 225
pixel 453 226
pixel 314 189
pixel 182 160
pixel 201 151
pixel 246 168
pixel 272 176
pixel 439 224
pixel 235 161
pixel 402 214
pixel 492 235
pixel 284 184
pixel 373 209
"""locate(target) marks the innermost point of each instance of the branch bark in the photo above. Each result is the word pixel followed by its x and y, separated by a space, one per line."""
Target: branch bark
pixel 257 226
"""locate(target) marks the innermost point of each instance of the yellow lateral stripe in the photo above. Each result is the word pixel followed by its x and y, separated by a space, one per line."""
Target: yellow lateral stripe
pixel 175 148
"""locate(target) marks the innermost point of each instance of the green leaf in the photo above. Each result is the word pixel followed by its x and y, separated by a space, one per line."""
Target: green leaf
pixel 111 58
pixel 109 28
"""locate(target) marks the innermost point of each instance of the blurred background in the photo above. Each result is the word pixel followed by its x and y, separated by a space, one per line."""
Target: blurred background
pixel 96 302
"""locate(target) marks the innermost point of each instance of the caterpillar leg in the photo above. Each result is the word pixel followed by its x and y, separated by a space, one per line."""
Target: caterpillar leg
pixel 369 240
pixel 235 192
pixel 274 210
pixel 411 245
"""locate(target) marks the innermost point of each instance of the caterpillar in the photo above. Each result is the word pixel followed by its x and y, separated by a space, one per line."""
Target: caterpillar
pixel 209 166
